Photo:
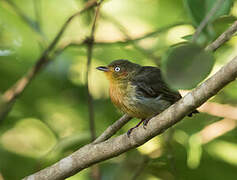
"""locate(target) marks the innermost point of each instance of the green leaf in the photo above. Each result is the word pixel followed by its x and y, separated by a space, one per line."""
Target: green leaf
pixel 223 10
pixel 198 9
pixel 186 65
pixel 196 14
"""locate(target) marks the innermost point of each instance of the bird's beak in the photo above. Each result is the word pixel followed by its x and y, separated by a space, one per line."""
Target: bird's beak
pixel 103 68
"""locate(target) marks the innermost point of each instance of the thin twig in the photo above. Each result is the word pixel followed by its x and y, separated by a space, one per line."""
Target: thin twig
pixel 111 130
pixel 95 170
pixel 37 10
pixel 126 41
pixel 222 38
pixel 11 94
pixel 89 96
pixel 207 19
pixel 90 44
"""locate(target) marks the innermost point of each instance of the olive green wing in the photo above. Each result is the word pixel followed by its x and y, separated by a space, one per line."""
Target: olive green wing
pixel 150 84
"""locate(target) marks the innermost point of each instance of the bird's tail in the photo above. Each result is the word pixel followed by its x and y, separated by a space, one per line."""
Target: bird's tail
pixel 193 112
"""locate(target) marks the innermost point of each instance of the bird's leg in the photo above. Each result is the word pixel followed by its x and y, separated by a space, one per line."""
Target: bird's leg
pixel 130 130
pixel 145 122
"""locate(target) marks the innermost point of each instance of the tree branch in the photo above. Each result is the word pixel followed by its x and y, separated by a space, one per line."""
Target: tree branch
pixel 95 171
pixel 222 38
pixel 111 130
pixel 90 45
pixel 97 152
pixel 212 47
pixel 147 35
pixel 37 11
pixel 94 153
pixel 126 41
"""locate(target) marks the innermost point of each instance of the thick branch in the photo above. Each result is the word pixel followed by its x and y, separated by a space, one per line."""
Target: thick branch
pixel 94 153
pixel 111 130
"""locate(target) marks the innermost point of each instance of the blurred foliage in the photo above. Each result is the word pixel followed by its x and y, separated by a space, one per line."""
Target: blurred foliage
pixel 50 119
pixel 198 10
pixel 189 75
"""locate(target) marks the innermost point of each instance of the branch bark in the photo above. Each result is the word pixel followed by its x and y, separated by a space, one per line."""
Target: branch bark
pixel 94 153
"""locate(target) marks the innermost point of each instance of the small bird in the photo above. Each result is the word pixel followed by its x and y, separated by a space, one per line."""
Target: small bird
pixel 138 91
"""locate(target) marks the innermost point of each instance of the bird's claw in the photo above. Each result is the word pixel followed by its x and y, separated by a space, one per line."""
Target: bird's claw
pixel 129 132
pixel 145 122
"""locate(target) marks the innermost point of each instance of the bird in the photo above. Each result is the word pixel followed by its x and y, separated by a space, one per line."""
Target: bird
pixel 139 91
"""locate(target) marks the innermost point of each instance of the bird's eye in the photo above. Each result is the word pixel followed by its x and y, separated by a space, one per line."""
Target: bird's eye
pixel 117 69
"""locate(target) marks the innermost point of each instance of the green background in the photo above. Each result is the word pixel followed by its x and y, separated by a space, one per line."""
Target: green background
pixel 50 119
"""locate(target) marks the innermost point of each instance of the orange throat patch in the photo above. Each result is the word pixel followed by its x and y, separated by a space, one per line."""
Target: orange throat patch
pixel 117 92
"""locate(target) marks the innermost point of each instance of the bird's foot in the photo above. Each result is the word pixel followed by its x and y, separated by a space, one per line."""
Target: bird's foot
pixel 193 112
pixel 145 122
pixel 130 130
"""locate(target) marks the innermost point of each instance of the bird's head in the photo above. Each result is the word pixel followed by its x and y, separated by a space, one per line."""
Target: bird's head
pixel 119 70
